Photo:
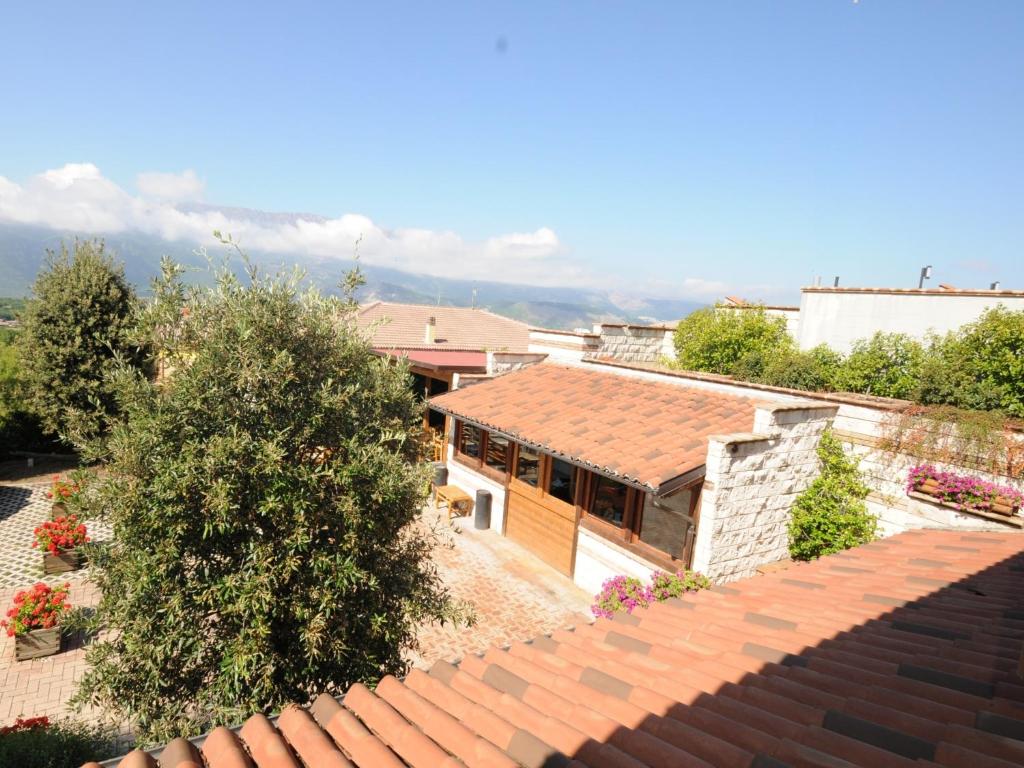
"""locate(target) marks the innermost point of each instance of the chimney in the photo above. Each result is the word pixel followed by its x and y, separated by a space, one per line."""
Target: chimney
pixel 430 331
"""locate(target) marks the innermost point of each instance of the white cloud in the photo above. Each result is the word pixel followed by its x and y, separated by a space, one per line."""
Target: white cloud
pixel 171 187
pixel 77 197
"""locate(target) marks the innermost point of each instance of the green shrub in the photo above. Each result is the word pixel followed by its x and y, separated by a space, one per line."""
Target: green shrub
pixel 263 496
pixel 980 366
pixel 815 370
pixel 20 429
pixel 75 325
pixel 37 743
pixel 886 365
pixel 831 515
pixel 716 339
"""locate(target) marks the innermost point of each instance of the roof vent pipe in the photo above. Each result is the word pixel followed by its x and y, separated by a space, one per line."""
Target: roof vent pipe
pixel 430 331
pixel 835 282
pixel 994 286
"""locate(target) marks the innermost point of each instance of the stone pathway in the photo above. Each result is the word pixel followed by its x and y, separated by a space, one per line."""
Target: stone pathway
pixel 514 595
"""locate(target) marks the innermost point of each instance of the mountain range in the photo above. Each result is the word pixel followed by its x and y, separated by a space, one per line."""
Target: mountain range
pixel 23 248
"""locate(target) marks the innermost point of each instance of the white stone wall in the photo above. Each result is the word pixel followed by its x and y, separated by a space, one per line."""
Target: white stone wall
pixel 636 343
pixel 504 362
pixel 471 482
pixel 598 560
pixel 563 346
pixel 751 483
pixel 840 317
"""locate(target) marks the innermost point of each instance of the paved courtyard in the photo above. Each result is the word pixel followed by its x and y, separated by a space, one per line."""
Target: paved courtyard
pixel 514 596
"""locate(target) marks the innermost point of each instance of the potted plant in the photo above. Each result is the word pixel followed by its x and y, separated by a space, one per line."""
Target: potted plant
pixel 964 492
pixel 58 540
pixel 60 493
pixel 33 621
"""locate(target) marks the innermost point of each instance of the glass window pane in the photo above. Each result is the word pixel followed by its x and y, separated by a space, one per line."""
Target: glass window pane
pixel 609 501
pixel 528 466
pixel 563 481
pixel 666 521
pixel 497 452
pixel 470 441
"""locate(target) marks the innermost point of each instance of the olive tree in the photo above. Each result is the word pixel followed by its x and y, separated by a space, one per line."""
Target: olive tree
pixel 76 324
pixel 263 493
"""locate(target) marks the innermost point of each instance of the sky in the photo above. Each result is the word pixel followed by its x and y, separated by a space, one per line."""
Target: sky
pixel 677 149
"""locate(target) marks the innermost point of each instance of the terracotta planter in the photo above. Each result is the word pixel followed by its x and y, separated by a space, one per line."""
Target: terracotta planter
pixel 59 509
pixel 929 487
pixel 1003 506
pixel 37 643
pixel 70 560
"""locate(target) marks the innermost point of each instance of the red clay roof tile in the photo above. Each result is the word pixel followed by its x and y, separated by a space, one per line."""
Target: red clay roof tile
pixel 644 431
pixel 827 682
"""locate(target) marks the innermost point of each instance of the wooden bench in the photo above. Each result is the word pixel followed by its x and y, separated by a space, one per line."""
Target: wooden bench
pixel 458 501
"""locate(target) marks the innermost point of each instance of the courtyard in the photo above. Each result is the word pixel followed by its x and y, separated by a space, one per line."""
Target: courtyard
pixel 514 596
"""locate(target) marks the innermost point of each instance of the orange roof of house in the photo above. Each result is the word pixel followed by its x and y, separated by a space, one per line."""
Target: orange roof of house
pixel 642 431
pixel 902 653
pixel 402 326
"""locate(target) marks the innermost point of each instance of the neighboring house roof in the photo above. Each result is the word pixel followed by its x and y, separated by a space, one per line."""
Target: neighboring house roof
pixel 902 653
pixel 449 360
pixel 644 432
pixel 401 326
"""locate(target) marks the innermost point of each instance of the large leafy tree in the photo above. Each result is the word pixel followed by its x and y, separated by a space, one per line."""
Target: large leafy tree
pixel 76 324
pixel 263 495
pixel 717 339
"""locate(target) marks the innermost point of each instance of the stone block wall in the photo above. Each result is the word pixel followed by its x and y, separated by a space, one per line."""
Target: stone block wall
pixel 504 362
pixel 751 482
pixel 635 343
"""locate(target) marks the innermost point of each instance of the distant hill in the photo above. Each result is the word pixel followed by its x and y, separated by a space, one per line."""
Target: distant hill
pixel 22 249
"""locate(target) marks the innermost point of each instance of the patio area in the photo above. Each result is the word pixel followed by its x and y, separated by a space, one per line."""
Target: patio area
pixel 515 596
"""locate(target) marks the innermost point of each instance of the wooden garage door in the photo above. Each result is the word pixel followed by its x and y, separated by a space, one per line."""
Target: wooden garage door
pixel 544 525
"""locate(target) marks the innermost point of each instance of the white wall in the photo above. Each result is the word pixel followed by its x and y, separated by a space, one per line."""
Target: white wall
pixel 598 559
pixel 471 482
pixel 840 317
pixel 563 346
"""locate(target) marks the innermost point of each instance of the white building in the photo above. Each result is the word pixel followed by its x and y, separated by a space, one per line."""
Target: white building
pixel 840 316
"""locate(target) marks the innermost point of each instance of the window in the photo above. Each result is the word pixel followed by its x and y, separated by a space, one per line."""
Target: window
pixel 528 466
pixel 497 452
pixel 470 439
pixel 563 481
pixel 666 521
pixel 609 500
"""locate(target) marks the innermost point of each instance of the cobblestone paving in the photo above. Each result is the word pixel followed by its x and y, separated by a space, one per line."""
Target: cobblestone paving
pixel 514 594
pixel 515 597
pixel 22 509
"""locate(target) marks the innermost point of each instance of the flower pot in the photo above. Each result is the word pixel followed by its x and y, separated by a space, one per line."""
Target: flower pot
pixel 62 562
pixel 59 509
pixel 1003 506
pixel 37 643
pixel 929 487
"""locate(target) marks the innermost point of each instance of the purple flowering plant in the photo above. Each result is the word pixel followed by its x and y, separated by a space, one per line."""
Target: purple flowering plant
pixel 963 491
pixel 624 593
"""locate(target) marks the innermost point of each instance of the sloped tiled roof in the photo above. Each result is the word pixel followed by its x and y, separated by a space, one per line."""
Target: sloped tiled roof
pixel 900 654
pixel 640 430
pixel 401 326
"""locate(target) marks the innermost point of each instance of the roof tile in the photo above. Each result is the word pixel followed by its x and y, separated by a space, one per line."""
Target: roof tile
pixel 829 680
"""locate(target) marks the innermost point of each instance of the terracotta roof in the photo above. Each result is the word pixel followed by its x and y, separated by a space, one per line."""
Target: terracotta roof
pixel 900 654
pixel 401 326
pixel 642 431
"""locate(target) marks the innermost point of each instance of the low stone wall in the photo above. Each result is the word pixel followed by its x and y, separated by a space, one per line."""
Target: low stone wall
pixel 636 343
pixel 751 483
pixel 504 362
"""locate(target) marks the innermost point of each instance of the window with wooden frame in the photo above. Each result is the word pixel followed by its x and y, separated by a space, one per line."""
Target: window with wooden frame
pixel 483 451
pixel 469 441
pixel 658 528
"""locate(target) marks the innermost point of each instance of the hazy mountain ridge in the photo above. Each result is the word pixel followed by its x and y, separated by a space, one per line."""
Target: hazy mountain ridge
pixel 22 250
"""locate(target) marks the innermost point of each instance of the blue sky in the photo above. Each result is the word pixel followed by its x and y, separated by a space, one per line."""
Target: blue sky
pixel 681 148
